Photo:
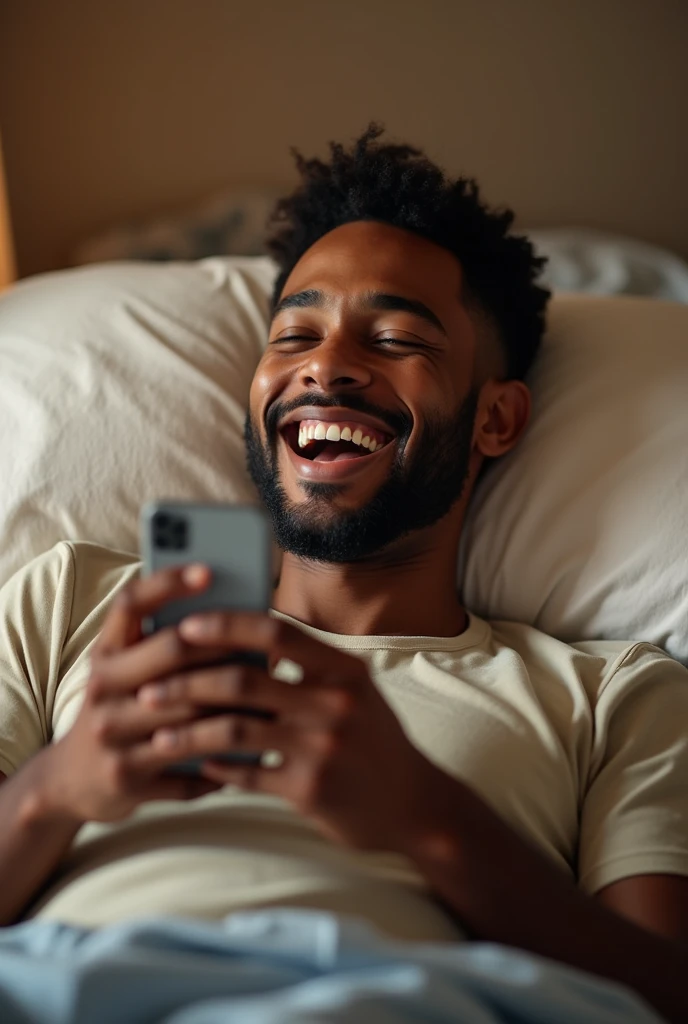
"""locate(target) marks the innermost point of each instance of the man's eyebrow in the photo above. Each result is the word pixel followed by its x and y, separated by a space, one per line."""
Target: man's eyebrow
pixel 398 303
pixel 314 299
pixel 311 297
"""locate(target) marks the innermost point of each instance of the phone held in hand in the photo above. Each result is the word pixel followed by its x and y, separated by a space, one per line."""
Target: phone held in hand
pixel 235 542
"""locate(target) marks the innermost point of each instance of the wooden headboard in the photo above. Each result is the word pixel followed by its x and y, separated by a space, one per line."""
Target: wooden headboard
pixel 7 261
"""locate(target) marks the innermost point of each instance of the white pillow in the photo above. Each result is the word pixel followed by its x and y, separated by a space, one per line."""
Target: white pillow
pixel 582 530
pixel 122 383
pixel 125 382
pixel 586 260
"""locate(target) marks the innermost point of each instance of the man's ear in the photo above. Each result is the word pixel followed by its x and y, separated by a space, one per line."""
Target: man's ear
pixel 503 414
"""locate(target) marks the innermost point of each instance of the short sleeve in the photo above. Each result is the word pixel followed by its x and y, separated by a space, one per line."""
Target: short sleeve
pixel 634 818
pixel 35 611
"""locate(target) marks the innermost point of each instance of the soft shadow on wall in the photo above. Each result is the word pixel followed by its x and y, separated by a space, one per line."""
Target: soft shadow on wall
pixel 572 113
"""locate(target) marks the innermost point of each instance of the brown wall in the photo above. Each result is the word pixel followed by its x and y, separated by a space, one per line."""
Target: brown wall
pixel 572 112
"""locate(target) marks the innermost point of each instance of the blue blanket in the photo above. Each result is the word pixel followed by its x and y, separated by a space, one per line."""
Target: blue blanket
pixel 280 966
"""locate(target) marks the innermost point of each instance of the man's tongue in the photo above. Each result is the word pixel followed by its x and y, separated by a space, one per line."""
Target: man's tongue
pixel 335 453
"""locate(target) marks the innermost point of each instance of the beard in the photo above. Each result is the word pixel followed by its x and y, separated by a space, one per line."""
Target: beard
pixel 417 493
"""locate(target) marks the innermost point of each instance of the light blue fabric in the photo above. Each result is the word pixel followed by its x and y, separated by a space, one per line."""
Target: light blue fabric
pixel 280 966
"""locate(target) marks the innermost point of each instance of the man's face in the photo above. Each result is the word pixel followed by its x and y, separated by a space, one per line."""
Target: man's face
pixel 370 340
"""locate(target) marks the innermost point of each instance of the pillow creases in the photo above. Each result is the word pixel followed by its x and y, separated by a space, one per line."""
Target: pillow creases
pixel 127 382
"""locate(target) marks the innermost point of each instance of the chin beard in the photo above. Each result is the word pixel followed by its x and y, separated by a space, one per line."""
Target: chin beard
pixel 414 496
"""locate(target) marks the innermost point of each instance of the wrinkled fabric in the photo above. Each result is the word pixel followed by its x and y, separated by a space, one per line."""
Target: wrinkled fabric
pixel 281 966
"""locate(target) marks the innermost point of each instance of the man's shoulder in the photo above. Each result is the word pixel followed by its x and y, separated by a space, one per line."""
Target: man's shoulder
pixel 69 571
pixel 523 635
pixel 98 572
pixel 596 663
pixel 80 554
pixel 88 557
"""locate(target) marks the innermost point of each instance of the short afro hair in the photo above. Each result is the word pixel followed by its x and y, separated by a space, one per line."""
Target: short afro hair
pixel 398 185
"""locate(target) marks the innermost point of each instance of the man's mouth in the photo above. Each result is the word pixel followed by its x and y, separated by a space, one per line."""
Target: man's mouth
pixel 327 441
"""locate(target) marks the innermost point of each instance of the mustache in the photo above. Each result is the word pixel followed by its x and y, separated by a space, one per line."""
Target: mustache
pixel 398 422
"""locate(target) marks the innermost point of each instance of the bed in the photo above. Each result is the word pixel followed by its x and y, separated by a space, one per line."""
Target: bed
pixel 117 380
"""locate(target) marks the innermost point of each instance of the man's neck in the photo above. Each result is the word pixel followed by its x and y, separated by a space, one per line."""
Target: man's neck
pixel 410 591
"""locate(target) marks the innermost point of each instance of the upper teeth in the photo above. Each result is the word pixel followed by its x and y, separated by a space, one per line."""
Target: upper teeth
pixel 321 431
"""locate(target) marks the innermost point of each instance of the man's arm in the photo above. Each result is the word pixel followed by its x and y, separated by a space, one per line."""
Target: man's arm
pixel 658 903
pixel 104 766
pixel 33 837
pixel 506 891
pixel 342 738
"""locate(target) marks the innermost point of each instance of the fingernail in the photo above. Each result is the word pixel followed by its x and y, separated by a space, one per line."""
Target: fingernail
pixel 194 575
pixel 165 739
pixel 152 693
pixel 193 627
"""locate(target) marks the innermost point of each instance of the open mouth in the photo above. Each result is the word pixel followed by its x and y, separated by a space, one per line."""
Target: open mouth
pixel 333 442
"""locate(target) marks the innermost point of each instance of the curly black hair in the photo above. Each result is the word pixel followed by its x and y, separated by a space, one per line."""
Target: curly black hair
pixel 398 185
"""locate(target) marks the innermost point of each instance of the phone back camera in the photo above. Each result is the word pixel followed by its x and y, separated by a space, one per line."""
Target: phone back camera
pixel 170 533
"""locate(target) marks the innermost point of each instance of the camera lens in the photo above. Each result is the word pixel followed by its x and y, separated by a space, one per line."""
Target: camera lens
pixel 179 533
pixel 170 533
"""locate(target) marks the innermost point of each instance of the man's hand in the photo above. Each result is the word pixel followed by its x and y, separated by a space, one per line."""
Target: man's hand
pixel 106 765
pixel 344 762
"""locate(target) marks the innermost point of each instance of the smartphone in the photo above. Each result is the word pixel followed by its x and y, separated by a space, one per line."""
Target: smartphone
pixel 235 542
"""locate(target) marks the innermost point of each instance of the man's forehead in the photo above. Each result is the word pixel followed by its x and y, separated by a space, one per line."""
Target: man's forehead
pixel 366 257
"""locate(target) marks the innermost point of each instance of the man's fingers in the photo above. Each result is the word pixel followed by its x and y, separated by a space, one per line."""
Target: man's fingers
pixel 214 739
pixel 210 737
pixel 155 657
pixel 256 631
pixel 145 596
pixel 239 687
pixel 125 722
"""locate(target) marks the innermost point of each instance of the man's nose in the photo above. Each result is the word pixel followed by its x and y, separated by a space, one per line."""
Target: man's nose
pixel 337 362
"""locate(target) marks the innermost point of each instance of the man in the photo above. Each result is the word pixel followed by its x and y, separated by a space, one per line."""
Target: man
pixel 432 773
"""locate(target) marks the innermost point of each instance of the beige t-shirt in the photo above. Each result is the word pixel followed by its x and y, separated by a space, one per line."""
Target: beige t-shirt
pixel 582 748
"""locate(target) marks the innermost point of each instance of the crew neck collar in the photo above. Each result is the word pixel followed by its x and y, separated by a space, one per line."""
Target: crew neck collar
pixel 474 633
